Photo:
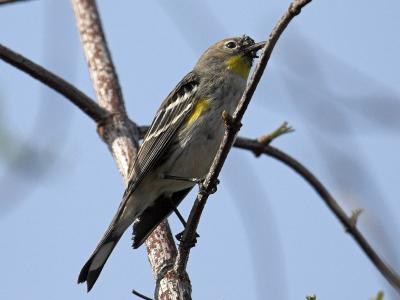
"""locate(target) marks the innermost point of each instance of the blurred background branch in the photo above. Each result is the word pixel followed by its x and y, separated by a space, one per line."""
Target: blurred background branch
pixel 28 160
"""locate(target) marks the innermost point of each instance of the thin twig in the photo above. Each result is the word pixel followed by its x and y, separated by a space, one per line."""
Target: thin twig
pixel 350 226
pixel 140 295
pixel 283 129
pixel 87 105
pixel 232 127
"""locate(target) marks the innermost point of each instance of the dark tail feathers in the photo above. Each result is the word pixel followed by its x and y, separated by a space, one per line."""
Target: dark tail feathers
pixel 92 269
pixel 148 221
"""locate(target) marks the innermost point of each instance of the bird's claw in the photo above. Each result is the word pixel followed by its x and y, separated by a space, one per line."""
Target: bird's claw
pixel 179 237
pixel 213 187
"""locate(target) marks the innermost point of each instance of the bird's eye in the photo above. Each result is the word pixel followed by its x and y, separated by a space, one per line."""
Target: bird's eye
pixel 231 45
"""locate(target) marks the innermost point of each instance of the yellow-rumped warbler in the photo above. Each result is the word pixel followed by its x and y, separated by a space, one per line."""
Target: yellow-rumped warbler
pixel 181 143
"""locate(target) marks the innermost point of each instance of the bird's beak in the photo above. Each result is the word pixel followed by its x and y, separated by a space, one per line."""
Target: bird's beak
pixel 254 48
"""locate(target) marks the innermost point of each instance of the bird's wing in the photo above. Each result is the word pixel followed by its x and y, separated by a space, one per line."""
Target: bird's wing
pixel 175 109
pixel 152 216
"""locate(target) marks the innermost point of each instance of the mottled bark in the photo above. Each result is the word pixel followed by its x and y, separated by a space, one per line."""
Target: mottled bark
pixel 122 135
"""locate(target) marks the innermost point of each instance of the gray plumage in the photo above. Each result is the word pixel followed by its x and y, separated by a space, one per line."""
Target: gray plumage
pixel 182 141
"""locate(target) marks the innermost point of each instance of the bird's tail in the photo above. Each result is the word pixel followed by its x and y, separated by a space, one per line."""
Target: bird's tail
pixel 92 269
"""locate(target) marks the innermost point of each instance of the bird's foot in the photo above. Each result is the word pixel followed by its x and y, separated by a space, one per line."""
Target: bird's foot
pixel 180 235
pixel 212 190
pixel 190 244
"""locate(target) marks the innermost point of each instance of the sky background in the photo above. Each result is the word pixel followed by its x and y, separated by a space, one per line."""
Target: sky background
pixel 334 76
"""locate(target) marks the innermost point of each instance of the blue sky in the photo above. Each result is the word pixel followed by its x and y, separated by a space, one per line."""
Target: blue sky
pixel 265 235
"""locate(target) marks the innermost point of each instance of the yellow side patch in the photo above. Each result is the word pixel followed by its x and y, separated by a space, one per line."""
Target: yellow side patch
pixel 200 107
pixel 239 65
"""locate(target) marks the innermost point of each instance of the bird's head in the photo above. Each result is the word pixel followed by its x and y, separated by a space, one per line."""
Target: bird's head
pixel 232 55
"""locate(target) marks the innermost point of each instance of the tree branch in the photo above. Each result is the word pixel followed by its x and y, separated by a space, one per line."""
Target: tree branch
pixel 121 135
pixel 121 139
pixel 101 68
pixel 256 147
pixel 232 127
pixel 83 102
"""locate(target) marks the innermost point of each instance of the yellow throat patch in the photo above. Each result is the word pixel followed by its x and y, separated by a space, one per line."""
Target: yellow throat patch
pixel 201 106
pixel 239 65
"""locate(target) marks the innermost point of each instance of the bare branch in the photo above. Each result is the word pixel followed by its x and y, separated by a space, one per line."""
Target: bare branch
pixel 87 105
pixel 120 138
pixel 348 222
pixel 101 67
pixel 121 135
pixel 232 127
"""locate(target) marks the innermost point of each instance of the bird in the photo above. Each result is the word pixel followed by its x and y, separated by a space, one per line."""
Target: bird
pixel 179 147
